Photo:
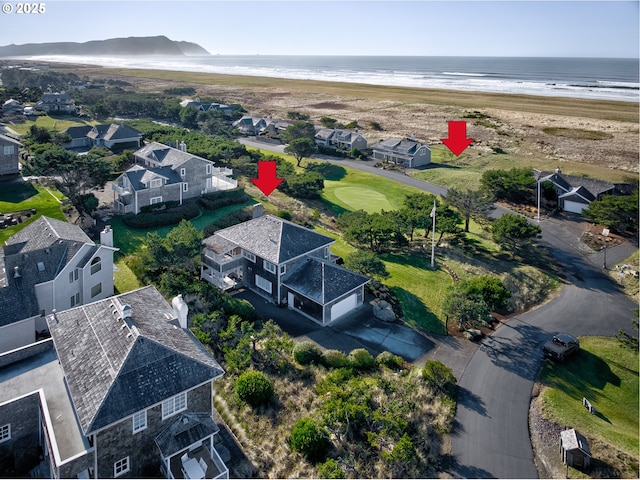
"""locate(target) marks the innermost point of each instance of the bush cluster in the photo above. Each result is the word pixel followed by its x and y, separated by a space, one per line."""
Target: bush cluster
pixel 162 218
pixel 228 220
pixel 309 439
pixel 306 353
pixel 390 360
pixel 159 206
pixel 216 200
pixel 254 388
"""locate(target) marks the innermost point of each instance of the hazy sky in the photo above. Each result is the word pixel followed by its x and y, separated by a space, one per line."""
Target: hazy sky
pixel 470 28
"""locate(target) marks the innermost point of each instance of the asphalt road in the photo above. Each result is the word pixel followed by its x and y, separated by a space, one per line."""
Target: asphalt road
pixel 491 433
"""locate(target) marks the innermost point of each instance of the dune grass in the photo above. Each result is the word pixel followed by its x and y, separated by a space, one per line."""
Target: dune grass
pixel 24 196
pixel 607 375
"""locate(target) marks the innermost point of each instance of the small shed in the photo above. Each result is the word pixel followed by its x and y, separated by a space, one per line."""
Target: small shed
pixel 575 449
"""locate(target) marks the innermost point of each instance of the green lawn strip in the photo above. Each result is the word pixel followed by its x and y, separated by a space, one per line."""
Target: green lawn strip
pixel 607 375
pixel 14 198
pixel 129 240
pixel 420 290
pixel 50 123
pixel 124 280
pixel 340 247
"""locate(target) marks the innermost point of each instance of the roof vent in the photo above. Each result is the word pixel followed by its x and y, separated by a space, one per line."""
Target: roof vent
pixel 25 256
pixel 127 311
pixel 41 266
pixel 185 420
pixel 47 250
pixel 16 272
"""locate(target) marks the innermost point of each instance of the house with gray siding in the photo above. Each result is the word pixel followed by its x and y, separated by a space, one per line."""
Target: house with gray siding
pixel 126 392
pixel 403 152
pixel 163 173
pixel 340 138
pixel 113 136
pixel 49 265
pixel 56 102
pixel 285 263
pixel 9 155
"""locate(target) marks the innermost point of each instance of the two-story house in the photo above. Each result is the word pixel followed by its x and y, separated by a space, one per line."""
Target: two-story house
pixel 9 155
pixel 249 125
pixel 112 136
pixel 340 138
pixel 205 107
pixel 56 102
pixel 404 152
pixel 126 392
pixel 49 265
pixel 165 174
pixel 285 263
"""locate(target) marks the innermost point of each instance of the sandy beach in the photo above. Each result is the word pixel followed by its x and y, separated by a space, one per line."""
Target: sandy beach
pixel 597 138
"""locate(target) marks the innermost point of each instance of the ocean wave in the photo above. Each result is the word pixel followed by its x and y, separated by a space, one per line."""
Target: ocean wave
pixel 463 74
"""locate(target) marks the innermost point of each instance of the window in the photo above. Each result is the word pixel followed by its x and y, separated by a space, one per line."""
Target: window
pixel 96 290
pixel 208 169
pixel 156 182
pixel 75 299
pixel 71 277
pixel 139 421
pixel 96 265
pixel 185 187
pixel 121 467
pixel 174 405
pixel 5 432
pixel 283 269
pixel 183 172
pixel 9 149
pixel 269 267
pixel 249 255
pixel 155 200
pixel 263 284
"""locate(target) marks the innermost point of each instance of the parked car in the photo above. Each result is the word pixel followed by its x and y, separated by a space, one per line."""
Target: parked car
pixel 561 346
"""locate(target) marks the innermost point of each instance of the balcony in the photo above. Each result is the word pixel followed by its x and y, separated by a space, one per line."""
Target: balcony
pixel 198 463
pixel 123 208
pixel 221 263
pixel 122 191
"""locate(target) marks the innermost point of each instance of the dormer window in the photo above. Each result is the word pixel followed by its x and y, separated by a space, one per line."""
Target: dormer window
pixel 155 183
pixel 183 172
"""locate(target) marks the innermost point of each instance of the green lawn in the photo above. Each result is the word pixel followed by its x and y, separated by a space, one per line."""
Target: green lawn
pixel 50 123
pixel 607 375
pixel 124 280
pixel 17 197
pixel 129 240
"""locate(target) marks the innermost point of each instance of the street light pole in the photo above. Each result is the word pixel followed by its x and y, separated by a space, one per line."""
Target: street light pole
pixel 538 201
pixel 604 262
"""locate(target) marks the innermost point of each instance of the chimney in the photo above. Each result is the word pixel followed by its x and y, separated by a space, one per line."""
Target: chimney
pixel 181 310
pixel 183 146
pixel 257 210
pixel 106 236
pixel 558 170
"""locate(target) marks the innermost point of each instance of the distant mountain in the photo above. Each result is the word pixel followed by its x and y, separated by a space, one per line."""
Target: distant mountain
pixel 160 45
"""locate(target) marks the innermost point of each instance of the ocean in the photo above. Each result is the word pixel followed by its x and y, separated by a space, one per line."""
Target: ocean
pixel 593 78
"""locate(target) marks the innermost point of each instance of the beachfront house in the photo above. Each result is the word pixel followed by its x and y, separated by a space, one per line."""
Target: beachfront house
pixel 248 125
pixel 55 102
pixel 403 152
pixel 285 263
pixel 166 174
pixel 49 265
pixel 9 156
pixel 114 136
pixel 340 138
pixel 205 107
pixel 126 391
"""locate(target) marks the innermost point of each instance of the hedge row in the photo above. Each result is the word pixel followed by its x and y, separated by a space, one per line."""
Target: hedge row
pixel 162 218
pixel 215 200
pixel 306 353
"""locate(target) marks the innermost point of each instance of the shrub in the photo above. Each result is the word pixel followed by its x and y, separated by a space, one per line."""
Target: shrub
pixel 437 375
pixel 240 307
pixel 254 388
pixel 330 468
pixel 361 359
pixel 163 218
pixel 309 439
pixel 335 359
pixel 306 353
pixel 216 200
pixel 159 206
pixel 284 214
pixel 389 360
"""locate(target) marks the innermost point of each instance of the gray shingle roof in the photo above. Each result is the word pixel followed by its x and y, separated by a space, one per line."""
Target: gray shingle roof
pixel 49 242
pixel 4 138
pixel 163 155
pixel 273 238
pixel 78 132
pixel 138 176
pixel 323 282
pixel 117 367
pixel 186 430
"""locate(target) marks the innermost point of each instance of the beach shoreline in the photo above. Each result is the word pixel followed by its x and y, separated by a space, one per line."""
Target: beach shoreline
pixel 551 129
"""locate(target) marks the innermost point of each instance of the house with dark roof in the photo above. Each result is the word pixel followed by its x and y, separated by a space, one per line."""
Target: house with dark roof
pixel 49 265
pixel 12 107
pixel 113 136
pixel 249 125
pixel 205 107
pixel 574 194
pixel 56 102
pixel 127 391
pixel 286 263
pixel 163 174
pixel 340 138
pixel 404 152
pixel 9 155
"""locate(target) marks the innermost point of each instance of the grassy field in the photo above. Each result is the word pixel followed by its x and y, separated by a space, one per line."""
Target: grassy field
pixel 124 280
pixel 24 196
pixel 50 123
pixel 607 375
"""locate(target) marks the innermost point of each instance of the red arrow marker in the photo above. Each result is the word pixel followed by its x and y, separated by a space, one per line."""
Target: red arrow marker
pixel 267 181
pixel 457 141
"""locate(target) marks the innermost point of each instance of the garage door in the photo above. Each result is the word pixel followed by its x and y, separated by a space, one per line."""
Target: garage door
pixel 574 207
pixel 344 306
